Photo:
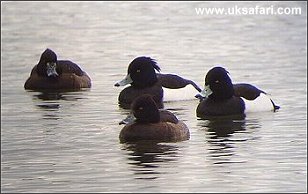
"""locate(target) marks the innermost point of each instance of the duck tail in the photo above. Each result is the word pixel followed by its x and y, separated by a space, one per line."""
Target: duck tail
pixel 275 106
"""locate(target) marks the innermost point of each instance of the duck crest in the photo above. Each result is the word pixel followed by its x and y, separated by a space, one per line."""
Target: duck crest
pixel 142 72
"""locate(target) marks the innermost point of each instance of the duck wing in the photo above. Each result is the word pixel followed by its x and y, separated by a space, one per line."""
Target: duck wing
pixel 246 91
pixel 167 116
pixel 66 66
pixel 173 81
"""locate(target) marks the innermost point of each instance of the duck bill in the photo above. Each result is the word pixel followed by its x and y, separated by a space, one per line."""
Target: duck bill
pixel 51 70
pixel 206 92
pixel 129 119
pixel 125 81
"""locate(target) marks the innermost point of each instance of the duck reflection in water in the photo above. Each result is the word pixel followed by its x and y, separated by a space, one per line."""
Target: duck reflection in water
pixel 59 95
pixel 222 134
pixel 52 101
pixel 223 127
pixel 147 157
pixel 48 100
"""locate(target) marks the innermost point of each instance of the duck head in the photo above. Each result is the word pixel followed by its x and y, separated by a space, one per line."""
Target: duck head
pixel 47 65
pixel 141 73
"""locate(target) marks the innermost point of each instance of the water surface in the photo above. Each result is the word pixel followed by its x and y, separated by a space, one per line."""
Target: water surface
pixel 68 142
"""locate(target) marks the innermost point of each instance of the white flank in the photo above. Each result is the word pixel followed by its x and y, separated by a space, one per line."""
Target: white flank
pixel 262 103
pixel 186 93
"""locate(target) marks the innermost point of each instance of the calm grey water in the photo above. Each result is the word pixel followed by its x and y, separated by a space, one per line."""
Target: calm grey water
pixel 69 142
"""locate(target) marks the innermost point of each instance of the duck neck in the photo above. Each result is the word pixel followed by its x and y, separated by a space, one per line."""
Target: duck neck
pixel 223 93
pixel 146 83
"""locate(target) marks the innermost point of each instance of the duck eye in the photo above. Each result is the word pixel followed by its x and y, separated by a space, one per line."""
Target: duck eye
pixel 140 108
pixel 138 70
pixel 217 81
